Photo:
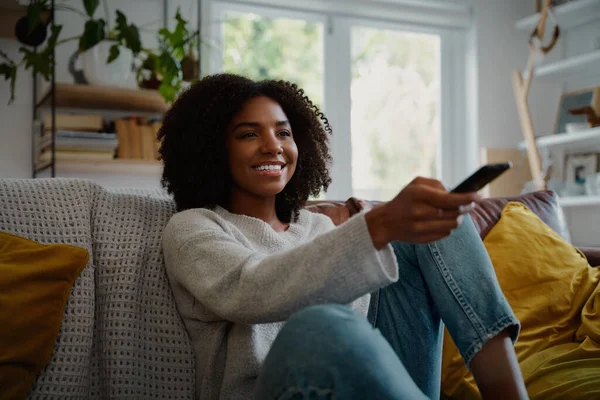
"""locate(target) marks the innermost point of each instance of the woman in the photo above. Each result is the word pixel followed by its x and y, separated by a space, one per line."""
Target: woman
pixel 240 159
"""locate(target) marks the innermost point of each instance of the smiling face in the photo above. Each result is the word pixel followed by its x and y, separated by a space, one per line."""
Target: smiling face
pixel 261 150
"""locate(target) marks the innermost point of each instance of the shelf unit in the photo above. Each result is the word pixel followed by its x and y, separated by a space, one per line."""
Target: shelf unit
pixel 580 66
pixel 91 97
pixel 588 140
pixel 113 101
pixel 568 16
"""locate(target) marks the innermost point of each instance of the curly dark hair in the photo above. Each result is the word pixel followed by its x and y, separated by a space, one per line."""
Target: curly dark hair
pixel 193 142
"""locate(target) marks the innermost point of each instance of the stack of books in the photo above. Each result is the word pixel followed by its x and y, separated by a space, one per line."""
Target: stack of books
pixel 81 138
pixel 77 138
pixel 137 138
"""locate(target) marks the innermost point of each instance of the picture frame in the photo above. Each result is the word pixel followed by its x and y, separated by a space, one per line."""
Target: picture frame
pixel 579 167
pixel 575 100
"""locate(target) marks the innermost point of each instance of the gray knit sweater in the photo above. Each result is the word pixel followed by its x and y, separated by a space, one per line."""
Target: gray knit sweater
pixel 236 280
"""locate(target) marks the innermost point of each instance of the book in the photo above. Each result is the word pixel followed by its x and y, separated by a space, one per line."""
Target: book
pixel 86 135
pixel 109 142
pixel 75 122
pixel 147 142
pixel 65 156
pixel 124 139
pixel 135 136
pixel 44 159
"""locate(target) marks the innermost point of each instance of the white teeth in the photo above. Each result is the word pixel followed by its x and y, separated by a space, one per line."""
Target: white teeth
pixel 268 168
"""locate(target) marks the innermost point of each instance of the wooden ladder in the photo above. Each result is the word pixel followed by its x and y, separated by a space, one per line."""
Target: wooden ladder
pixel 521 90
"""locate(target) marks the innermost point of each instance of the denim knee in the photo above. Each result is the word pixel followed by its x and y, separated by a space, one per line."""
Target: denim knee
pixel 334 328
pixel 327 315
pixel 331 351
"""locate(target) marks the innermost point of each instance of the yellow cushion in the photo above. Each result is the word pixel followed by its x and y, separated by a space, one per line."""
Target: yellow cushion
pixel 35 283
pixel 555 294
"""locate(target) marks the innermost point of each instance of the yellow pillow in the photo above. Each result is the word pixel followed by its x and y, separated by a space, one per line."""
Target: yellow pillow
pixel 555 294
pixel 35 283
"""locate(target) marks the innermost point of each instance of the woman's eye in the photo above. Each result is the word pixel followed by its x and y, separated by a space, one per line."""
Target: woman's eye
pixel 285 133
pixel 248 134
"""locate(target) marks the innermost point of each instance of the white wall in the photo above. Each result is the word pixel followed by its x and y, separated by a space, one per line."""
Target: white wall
pixel 503 49
pixel 15 130
pixel 499 48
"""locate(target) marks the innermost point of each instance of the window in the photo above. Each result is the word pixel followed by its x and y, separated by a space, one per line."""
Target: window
pixel 390 90
pixel 395 110
pixel 263 47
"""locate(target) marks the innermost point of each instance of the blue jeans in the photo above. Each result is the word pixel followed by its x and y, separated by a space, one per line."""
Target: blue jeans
pixel 332 352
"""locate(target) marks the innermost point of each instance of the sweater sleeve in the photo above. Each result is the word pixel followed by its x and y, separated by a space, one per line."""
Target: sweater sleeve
pixel 241 285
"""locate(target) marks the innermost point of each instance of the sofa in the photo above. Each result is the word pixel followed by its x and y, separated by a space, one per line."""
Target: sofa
pixel 121 335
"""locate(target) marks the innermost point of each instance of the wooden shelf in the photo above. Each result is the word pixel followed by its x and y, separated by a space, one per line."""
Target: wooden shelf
pixel 587 64
pixel 588 140
pixel 568 15
pixel 579 201
pixel 84 97
pixel 116 166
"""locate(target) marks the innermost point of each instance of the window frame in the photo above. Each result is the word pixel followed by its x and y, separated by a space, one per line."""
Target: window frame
pixel 458 149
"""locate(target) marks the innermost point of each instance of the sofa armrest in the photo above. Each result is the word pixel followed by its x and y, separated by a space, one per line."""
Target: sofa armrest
pixel 592 254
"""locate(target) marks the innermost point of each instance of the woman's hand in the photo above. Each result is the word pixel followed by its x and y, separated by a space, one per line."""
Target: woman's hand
pixel 423 212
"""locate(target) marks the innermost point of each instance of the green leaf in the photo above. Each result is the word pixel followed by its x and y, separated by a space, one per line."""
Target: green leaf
pixel 93 34
pixel 41 61
pixel 164 36
pixel 180 32
pixel 132 39
pixel 129 35
pixel 169 66
pixel 90 6
pixel 54 32
pixel 9 71
pixel 34 12
pixel 121 21
pixel 175 41
pixel 167 91
pixel 179 18
pixel 113 54
pixel 37 61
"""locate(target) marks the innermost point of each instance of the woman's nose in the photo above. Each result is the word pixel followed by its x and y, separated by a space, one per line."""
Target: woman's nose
pixel 270 144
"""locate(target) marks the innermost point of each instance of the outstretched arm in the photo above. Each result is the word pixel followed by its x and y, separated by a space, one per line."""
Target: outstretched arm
pixel 240 284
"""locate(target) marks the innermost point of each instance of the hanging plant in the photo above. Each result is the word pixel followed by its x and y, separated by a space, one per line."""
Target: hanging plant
pixel 31 29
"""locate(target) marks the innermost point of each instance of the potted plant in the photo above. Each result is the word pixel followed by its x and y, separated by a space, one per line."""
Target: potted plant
pixel 101 45
pixel 173 63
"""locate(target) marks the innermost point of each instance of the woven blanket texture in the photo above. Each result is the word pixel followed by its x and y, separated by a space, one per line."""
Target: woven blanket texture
pixel 121 335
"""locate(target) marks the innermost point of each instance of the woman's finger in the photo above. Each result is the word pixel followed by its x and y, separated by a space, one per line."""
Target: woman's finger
pixel 434 183
pixel 424 211
pixel 441 199
pixel 435 227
